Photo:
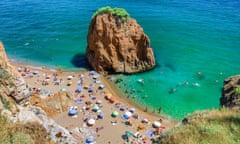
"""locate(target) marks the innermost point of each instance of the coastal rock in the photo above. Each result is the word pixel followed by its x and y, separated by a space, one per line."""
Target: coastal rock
pixel 34 114
pixel 12 84
pixel 118 46
pixel 231 92
pixel 3 57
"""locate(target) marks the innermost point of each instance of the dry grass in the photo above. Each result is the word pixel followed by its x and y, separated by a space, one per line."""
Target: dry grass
pixel 29 133
pixel 208 127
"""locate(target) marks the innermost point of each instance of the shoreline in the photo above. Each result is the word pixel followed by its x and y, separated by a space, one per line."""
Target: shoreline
pixel 58 107
pixel 113 88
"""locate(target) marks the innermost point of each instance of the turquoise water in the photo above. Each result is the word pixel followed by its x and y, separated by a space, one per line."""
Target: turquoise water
pixel 187 37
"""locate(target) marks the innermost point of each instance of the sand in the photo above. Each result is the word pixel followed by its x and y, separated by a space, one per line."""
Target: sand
pixel 106 130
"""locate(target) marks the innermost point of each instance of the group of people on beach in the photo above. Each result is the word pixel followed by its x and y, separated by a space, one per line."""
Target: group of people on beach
pixel 89 102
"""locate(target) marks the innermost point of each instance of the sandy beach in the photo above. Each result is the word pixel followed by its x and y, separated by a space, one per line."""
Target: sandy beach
pixel 90 106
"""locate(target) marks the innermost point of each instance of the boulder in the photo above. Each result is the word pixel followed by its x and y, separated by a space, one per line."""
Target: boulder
pixel 118 46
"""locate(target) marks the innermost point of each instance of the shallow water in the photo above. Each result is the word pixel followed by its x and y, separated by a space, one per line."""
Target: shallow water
pixel 187 37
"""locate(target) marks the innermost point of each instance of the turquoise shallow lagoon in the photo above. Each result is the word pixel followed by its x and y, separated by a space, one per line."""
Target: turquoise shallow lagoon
pixel 187 37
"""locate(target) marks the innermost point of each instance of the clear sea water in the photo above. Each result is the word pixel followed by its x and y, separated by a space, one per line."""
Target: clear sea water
pixel 187 36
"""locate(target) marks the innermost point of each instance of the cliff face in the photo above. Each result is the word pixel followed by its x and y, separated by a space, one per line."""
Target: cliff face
pixel 116 46
pixel 231 92
pixel 11 83
pixel 3 57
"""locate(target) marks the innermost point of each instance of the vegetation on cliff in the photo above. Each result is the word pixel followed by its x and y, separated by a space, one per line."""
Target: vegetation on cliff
pixel 119 12
pixel 29 133
pixel 215 126
pixel 4 74
pixel 237 90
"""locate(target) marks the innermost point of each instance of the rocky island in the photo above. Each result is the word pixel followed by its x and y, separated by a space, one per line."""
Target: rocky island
pixel 117 43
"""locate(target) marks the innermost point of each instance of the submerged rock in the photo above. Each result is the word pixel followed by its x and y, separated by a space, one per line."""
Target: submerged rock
pixel 117 45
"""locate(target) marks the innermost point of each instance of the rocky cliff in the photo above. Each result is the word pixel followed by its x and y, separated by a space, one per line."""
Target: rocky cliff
pixel 12 84
pixel 118 46
pixel 14 105
pixel 231 92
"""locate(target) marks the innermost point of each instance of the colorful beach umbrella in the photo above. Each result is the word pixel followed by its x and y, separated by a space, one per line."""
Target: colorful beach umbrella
pixel 115 113
pixel 72 112
pixel 112 100
pixel 23 74
pixel 109 95
pixel 98 81
pixel 79 89
pixel 98 102
pixel 91 122
pixel 63 89
pixel 101 115
pixel 91 72
pixel 101 86
pixel 69 77
pixel 48 76
pixel 132 110
pixel 35 72
pixel 91 89
pixel 69 83
pixel 123 108
pixel 79 101
pixel 145 120
pixel 150 133
pixel 127 115
pixel 156 124
pixel 96 76
pixel 128 134
pixel 95 107
pixel 90 139
pixel 19 69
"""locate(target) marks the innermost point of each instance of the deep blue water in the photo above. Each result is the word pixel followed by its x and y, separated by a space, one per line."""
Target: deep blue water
pixel 187 37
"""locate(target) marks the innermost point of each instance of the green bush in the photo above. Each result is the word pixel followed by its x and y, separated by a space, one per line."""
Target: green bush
pixel 119 12
pixel 4 74
pixel 237 90
pixel 6 103
pixel 17 133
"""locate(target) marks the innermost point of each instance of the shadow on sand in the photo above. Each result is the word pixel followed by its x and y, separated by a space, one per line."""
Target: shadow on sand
pixel 80 61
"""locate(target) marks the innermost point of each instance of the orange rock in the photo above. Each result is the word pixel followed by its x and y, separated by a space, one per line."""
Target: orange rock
pixel 116 46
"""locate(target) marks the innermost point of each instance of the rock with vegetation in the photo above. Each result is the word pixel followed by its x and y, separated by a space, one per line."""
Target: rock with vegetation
pixel 206 127
pixel 20 122
pixel 117 43
pixel 231 92
pixel 21 133
pixel 11 83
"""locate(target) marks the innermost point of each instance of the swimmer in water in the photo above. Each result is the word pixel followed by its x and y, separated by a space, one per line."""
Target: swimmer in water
pixel 196 84
pixel 141 81
pixel 171 91
pixel 200 76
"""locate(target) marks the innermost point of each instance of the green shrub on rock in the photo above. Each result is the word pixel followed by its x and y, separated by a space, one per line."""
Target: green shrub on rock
pixel 237 90
pixel 119 12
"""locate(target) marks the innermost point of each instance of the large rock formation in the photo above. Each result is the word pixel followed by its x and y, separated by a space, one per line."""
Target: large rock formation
pixel 231 92
pixel 118 46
